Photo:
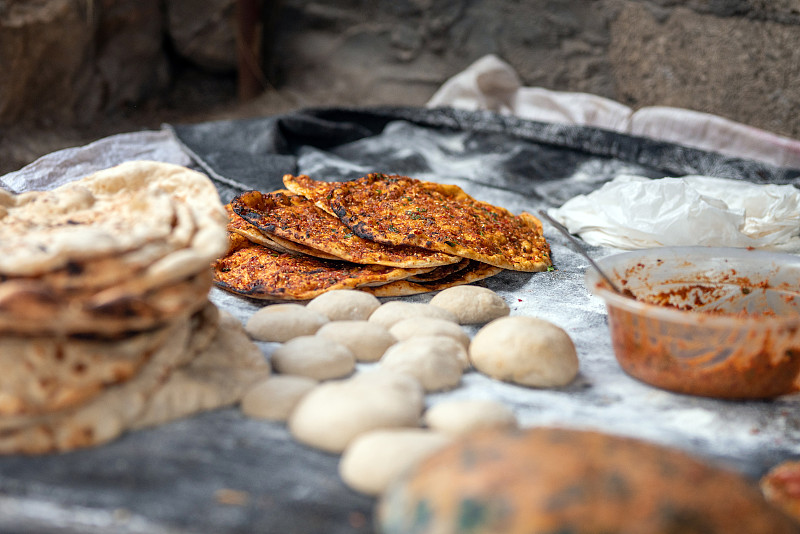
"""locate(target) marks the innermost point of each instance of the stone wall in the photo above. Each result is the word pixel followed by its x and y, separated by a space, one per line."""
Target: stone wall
pixel 79 61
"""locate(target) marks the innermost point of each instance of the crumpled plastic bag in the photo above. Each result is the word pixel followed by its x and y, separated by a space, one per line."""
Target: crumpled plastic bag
pixel 632 212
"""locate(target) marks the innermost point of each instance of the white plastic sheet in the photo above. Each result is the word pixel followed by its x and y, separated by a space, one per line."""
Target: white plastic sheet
pixel 633 212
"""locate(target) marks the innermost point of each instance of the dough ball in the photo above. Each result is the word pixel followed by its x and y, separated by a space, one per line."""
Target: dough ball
pixel 471 304
pixel 276 397
pixel 345 305
pixel 282 322
pixel 428 326
pixel 526 351
pixel 334 413
pixel 436 361
pixel 367 341
pixel 395 311
pixel 461 416
pixel 377 458
pixel 314 357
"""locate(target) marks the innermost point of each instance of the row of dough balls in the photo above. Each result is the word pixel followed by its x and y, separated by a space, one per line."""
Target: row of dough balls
pixel 373 417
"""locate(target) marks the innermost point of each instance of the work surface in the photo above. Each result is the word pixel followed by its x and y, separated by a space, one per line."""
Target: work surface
pixel 221 472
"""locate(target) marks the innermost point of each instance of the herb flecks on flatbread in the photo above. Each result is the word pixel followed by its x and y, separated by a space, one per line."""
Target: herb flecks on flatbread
pixel 316 191
pixel 260 273
pixel 397 210
pixel 297 219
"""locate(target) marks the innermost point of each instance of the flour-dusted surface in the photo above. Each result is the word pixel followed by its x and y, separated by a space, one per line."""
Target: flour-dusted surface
pixel 221 472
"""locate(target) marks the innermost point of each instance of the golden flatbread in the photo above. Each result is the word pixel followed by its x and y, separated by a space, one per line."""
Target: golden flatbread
pixel 295 218
pixel 316 191
pixel 26 308
pixel 114 212
pixel 260 273
pixel 398 210
pixel 240 226
pixel 46 374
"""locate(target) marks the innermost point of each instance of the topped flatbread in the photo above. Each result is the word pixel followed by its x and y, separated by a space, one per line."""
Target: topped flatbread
pixel 316 191
pixel 237 225
pixel 297 219
pixel 397 210
pixel 260 273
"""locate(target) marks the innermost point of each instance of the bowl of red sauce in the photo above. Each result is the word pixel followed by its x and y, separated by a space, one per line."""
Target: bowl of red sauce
pixel 706 321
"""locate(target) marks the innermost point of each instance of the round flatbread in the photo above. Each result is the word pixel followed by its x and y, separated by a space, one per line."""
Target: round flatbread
pixel 112 212
pixel 295 218
pixel 260 273
pixel 240 226
pixel 397 210
pixel 108 414
pixel 28 308
pixel 50 373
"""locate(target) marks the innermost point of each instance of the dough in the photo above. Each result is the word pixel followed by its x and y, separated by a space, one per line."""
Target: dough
pixel 375 459
pixel 429 326
pixel 313 357
pixel 367 341
pixel 395 311
pixel 461 416
pixel 345 305
pixel 282 322
pixel 526 351
pixel 334 413
pixel 436 361
pixel 276 397
pixel 471 304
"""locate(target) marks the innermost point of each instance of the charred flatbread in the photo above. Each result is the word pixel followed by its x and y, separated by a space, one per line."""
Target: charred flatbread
pixel 240 226
pixel 297 219
pixel 318 192
pixel 260 273
pixel 47 374
pixel 440 272
pixel 106 415
pixel 474 272
pixel 398 210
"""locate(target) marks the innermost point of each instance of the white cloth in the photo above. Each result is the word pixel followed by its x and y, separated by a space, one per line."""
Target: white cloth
pixel 492 84
pixel 633 212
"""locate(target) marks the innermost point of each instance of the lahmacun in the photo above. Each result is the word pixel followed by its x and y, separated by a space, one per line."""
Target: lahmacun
pixel 397 210
pixel 378 220
pixel 240 226
pixel 260 273
pixel 297 219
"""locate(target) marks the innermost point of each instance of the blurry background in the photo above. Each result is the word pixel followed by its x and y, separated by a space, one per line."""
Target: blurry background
pixel 75 70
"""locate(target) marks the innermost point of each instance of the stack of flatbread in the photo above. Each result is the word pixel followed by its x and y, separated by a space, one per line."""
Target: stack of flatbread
pixel 105 323
pixel 385 234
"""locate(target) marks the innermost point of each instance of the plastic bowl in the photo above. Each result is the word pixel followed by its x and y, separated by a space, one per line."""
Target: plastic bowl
pixel 713 322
